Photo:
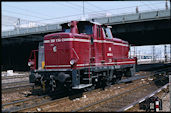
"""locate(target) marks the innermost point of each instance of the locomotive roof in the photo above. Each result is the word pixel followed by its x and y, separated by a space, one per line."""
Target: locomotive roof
pixel 95 23
pixel 91 22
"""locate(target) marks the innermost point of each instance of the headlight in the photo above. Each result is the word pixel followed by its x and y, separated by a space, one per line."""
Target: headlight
pixel 29 63
pixel 72 62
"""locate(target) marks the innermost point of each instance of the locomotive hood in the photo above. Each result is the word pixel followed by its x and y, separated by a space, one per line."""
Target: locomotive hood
pixel 57 35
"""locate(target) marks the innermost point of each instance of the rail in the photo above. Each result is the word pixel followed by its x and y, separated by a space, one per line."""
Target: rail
pixel 142 99
pixel 17 88
pixel 119 104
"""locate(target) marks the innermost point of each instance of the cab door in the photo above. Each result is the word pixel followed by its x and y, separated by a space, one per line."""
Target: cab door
pixel 99 49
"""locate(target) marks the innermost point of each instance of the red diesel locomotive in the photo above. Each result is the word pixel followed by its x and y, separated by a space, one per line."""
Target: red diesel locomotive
pixel 82 56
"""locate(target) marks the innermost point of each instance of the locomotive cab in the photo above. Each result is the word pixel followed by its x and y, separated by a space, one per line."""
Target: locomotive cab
pixel 32 63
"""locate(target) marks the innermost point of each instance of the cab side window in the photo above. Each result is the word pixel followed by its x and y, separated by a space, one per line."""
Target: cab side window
pixel 104 32
pixel 66 28
pixel 108 33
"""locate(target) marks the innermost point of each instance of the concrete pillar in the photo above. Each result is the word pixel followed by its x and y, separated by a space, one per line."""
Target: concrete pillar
pixel 137 11
pixel 83 9
pixel 17 26
pixel 134 51
pixel 153 53
pixel 170 89
pixel 165 53
pixel 166 5
pixel 170 53
pixel 130 52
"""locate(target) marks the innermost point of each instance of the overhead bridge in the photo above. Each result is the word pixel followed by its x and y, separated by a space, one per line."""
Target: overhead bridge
pixel 146 25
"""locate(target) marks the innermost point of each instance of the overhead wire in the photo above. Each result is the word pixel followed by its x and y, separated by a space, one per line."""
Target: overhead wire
pixel 13 19
pixel 147 5
pixel 80 5
pixel 41 14
pixel 99 8
pixel 60 17
pixel 34 12
pixel 121 8
pixel 79 14
pixel 70 6
pixel 23 15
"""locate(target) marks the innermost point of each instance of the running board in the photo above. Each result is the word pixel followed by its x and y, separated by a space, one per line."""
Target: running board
pixel 81 86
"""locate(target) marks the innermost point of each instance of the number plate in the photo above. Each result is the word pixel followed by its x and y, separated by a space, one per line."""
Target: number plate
pixel 151 105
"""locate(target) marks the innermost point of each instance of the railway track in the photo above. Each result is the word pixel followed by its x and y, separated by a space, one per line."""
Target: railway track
pixel 22 87
pixel 36 103
pixel 6 81
pixel 46 101
pixel 127 99
pixel 14 77
pixel 9 107
pixel 12 84
pixel 123 101
pixel 35 99
pixel 22 104
pixel 160 94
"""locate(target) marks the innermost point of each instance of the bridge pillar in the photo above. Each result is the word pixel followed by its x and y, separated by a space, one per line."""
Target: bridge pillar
pixel 166 5
pixel 165 53
pixel 170 53
pixel 170 89
pixel 154 53
pixel 137 11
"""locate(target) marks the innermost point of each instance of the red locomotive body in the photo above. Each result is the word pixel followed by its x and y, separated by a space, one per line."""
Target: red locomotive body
pixel 81 56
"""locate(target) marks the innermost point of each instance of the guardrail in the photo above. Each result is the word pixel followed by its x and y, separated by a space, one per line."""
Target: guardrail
pixel 128 17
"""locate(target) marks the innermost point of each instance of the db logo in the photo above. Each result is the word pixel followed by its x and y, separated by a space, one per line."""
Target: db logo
pixel 54 49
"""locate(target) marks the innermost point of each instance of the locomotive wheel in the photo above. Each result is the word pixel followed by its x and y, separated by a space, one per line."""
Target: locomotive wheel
pixel 128 73
pixel 68 83
pixel 118 78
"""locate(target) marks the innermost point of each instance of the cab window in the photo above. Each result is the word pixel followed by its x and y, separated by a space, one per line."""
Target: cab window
pixel 108 33
pixel 85 28
pixel 89 29
pixel 67 30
